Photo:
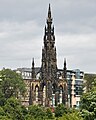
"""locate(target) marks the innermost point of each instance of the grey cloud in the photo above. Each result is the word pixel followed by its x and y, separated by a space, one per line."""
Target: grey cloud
pixel 22 29
pixel 80 51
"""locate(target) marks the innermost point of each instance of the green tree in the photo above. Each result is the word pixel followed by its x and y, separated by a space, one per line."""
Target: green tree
pixel 88 103
pixel 71 116
pixel 2 113
pixel 11 84
pixel 37 112
pixel 4 118
pixel 89 79
pixel 14 109
pixel 2 98
pixel 49 113
pixel 60 110
pixel 29 117
pixel 87 115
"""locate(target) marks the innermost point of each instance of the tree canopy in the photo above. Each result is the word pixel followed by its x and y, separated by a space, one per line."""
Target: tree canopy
pixel 11 84
pixel 89 79
pixel 88 103
pixel 60 110
pixel 39 113
pixel 71 116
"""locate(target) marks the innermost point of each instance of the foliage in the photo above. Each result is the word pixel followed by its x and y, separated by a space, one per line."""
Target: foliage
pixel 88 103
pixel 11 84
pixel 49 113
pixel 67 113
pixel 71 116
pixel 4 118
pixel 13 109
pixel 29 117
pixel 37 112
pixel 87 115
pixel 2 112
pixel 60 110
pixel 89 80
pixel 2 98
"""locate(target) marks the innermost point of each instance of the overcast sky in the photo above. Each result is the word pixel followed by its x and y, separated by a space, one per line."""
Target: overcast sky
pixel 22 29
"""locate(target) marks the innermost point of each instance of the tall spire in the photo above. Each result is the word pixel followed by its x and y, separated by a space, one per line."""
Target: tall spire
pixel 49 30
pixel 49 12
pixel 49 19
pixel 33 69
pixel 65 68
pixel 33 63
pixel 49 61
pixel 64 62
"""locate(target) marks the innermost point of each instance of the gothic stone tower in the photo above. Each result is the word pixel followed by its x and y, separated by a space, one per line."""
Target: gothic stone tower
pixel 49 62
pixel 47 85
pixel 50 88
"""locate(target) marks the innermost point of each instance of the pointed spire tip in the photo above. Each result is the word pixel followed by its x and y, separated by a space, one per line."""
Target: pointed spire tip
pixel 49 11
pixel 49 6
pixel 33 62
pixel 64 61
